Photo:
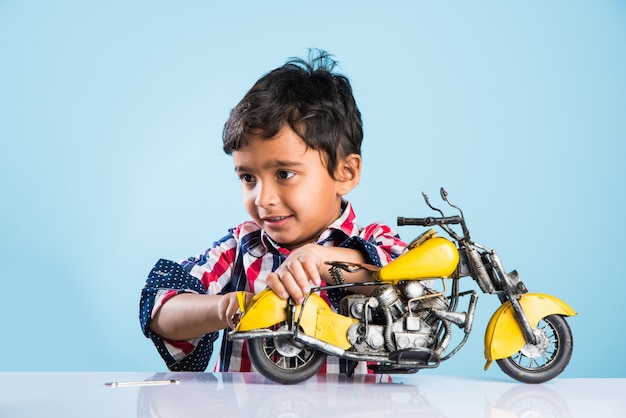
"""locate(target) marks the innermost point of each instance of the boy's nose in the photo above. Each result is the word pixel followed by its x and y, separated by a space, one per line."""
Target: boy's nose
pixel 266 195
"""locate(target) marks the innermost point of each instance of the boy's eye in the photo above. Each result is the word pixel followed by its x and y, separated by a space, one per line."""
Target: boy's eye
pixel 284 174
pixel 246 178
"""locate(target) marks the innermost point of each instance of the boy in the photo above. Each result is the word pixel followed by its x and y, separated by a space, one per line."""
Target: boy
pixel 295 139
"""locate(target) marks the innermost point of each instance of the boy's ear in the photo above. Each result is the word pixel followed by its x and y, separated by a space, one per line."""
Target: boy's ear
pixel 348 173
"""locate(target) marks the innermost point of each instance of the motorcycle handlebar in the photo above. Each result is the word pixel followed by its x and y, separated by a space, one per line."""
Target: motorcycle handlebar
pixel 429 221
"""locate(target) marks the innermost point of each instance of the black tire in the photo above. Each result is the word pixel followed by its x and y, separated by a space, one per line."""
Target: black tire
pixel 545 360
pixel 283 360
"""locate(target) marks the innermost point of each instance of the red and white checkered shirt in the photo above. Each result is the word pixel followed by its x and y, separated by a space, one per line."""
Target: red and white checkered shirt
pixel 241 261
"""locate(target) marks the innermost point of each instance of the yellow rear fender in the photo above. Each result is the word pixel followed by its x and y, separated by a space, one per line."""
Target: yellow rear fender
pixel 317 320
pixel 504 336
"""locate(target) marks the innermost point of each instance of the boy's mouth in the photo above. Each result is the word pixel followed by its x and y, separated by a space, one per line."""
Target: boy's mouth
pixel 274 221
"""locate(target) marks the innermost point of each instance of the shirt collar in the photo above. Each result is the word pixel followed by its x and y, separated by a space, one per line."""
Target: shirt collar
pixel 346 223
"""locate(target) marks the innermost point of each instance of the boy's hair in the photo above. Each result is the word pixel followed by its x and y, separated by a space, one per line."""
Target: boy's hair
pixel 316 103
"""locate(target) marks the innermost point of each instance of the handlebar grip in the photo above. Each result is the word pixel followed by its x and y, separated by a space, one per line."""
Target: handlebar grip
pixel 429 221
pixel 402 221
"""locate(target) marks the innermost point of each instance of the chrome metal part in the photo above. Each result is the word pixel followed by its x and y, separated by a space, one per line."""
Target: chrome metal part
pixel 412 323
pixel 320 345
pixel 287 347
pixel 263 333
pixel 445 341
pixel 411 289
pixel 358 306
pixel 480 272
pixel 457 318
pixel 386 295
pixel 406 340
pixel 538 349
pixel 512 295
pixel 375 338
pixel 366 339
pixel 471 310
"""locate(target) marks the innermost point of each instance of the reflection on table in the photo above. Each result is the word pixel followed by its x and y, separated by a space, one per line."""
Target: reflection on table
pixel 205 393
pixel 81 394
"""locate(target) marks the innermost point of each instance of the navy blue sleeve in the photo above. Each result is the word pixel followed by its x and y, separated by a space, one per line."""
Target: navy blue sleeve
pixel 368 249
pixel 169 275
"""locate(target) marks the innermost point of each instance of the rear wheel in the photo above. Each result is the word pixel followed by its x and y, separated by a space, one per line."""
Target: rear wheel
pixel 284 360
pixel 538 363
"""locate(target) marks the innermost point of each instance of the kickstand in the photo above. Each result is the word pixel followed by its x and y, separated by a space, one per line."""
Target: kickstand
pixel 350 367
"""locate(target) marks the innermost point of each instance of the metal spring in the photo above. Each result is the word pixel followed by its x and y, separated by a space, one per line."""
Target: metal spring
pixel 336 275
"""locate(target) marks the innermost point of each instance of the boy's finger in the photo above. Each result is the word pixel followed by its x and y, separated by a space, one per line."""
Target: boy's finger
pixel 293 288
pixel 299 275
pixel 274 283
pixel 312 274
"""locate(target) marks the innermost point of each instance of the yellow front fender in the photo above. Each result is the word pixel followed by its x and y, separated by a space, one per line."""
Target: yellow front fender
pixel 318 320
pixel 504 336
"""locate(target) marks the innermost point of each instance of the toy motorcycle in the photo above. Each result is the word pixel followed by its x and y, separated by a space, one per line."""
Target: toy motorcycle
pixel 404 326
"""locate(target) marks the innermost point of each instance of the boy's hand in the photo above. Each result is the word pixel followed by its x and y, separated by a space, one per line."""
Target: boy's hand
pixel 294 276
pixel 228 308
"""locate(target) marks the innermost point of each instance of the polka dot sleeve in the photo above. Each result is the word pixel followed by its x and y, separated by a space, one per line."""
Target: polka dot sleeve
pixel 169 277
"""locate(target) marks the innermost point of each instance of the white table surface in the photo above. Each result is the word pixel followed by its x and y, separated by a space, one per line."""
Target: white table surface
pixel 84 394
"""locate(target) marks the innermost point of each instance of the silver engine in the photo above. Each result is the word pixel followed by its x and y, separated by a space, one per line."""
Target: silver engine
pixel 393 318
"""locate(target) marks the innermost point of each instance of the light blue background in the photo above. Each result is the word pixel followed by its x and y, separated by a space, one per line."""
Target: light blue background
pixel 111 116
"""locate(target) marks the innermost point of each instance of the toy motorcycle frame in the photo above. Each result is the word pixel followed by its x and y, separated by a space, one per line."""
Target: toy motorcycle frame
pixel 404 326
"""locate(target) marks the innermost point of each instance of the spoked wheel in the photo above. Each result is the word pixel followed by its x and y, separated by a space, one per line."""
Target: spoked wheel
pixel 538 363
pixel 284 360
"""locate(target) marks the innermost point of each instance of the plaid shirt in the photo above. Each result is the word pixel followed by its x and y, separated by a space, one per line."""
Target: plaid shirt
pixel 241 261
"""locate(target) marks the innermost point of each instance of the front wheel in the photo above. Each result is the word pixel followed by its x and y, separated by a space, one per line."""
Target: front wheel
pixel 284 360
pixel 538 363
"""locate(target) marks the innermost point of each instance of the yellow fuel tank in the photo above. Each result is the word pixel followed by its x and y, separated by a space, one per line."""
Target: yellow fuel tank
pixel 436 257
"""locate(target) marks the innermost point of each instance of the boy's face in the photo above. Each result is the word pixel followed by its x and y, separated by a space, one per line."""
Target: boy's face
pixel 287 189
